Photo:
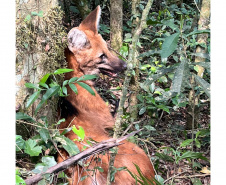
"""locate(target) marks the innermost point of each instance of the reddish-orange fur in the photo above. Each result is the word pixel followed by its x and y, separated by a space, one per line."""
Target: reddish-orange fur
pixel 94 115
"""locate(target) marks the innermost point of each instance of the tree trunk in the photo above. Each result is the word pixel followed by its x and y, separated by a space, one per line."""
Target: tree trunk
pixel 116 24
pixel 203 24
pixel 134 84
pixel 83 7
pixel 39 50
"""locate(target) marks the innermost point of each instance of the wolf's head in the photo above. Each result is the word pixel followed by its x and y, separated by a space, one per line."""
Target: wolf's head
pixel 90 49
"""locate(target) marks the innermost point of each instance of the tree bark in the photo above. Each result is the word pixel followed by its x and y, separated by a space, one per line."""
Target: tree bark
pixel 39 50
pixel 116 18
pixel 203 24
pixel 132 55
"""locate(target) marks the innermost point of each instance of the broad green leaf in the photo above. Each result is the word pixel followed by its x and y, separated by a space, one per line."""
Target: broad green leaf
pixel 145 66
pixel 151 22
pixel 19 180
pixel 23 116
pixel 20 143
pixel 44 85
pixel 40 13
pixel 204 64
pixel 142 110
pixel 27 18
pixel 164 157
pixel 87 87
pixel 192 155
pixel 163 107
pixel 197 143
pixel 66 130
pixel 44 133
pixel 99 168
pixel 198 32
pixel 79 132
pixel 150 128
pixel 87 77
pixel 60 71
pixel 50 92
pixel 171 24
pixel 64 89
pixel 73 79
pixel 159 74
pixel 45 78
pixel 34 13
pixel 73 88
pixel 186 142
pixel 204 84
pixel 68 145
pixel 31 85
pixel 65 82
pixel 31 148
pixel 181 77
pixel 169 45
pixel 49 161
pixel 32 98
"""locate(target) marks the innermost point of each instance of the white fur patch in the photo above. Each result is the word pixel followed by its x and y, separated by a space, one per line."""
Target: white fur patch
pixel 77 39
pixel 98 18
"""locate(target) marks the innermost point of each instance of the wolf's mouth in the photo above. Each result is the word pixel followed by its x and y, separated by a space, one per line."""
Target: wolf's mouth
pixel 108 72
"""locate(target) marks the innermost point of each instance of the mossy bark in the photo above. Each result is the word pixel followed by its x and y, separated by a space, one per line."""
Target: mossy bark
pixel 203 24
pixel 132 55
pixel 116 24
pixel 39 50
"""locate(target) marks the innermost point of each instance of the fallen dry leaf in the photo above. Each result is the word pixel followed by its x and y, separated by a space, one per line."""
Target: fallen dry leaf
pixel 205 170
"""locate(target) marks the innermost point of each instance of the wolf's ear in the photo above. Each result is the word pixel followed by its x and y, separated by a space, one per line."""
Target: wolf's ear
pixel 77 40
pixel 91 22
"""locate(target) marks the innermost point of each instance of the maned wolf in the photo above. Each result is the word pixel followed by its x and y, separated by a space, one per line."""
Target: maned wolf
pixel 87 53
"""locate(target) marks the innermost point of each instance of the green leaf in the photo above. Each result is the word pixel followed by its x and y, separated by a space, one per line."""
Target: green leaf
pixel 32 98
pixel 204 84
pixel 40 14
pixel 169 45
pixel 197 143
pixel 142 110
pixel 87 77
pixel 50 92
pixel 34 13
pixel 19 180
pixel 44 85
pixel 27 18
pixel 73 88
pixel 66 130
pixel 31 148
pixel 151 22
pixel 164 157
pixel 192 155
pixel 68 145
pixel 60 121
pixel 160 73
pixel 64 89
pixel 198 32
pixel 60 71
pixel 186 142
pixel 44 133
pixel 204 64
pixel 20 143
pixel 49 161
pixel 45 78
pixel 150 128
pixel 79 132
pixel 73 79
pixel 32 86
pixel 23 116
pixel 99 168
pixel 181 77
pixel 87 87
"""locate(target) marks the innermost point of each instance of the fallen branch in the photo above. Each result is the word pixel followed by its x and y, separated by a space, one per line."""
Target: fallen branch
pixel 100 147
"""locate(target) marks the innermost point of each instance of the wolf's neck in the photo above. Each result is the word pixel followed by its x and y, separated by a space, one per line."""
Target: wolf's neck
pixel 72 64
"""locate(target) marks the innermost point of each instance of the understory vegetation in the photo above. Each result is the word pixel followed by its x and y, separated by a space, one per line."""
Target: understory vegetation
pixel 173 97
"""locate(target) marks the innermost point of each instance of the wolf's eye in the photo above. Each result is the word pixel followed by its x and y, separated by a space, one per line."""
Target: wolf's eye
pixel 103 56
